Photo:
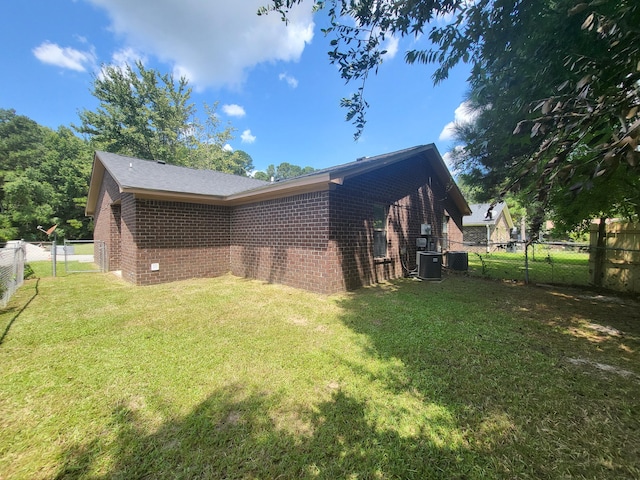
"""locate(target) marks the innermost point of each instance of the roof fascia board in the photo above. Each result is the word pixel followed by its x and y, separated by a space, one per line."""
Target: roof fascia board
pixel 507 216
pixel 97 176
pixel 477 224
pixel 307 184
pixel 265 193
pixel 312 183
pixel 173 196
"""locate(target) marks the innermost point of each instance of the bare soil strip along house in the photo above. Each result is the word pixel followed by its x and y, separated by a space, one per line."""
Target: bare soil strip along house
pixel 332 230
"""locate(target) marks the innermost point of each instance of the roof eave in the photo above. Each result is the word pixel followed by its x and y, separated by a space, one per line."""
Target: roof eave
pixel 507 216
pixel 167 196
pixel 477 224
pixel 294 186
pixel 95 182
pixel 321 181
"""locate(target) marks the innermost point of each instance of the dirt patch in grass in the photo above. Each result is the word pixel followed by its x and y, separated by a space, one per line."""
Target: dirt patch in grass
pixel 602 367
pixel 597 316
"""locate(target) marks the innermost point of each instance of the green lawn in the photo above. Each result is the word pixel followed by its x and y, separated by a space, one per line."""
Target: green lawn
pixel 81 247
pixel 232 378
pixel 545 266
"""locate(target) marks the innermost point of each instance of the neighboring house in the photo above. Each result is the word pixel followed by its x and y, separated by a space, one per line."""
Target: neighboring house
pixel 487 230
pixel 332 230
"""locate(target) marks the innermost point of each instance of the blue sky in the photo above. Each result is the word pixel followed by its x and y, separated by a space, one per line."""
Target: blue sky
pixel 274 83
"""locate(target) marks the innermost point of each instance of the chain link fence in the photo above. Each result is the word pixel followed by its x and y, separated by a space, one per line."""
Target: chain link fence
pixel 611 259
pixel 545 262
pixel 12 261
pixel 84 256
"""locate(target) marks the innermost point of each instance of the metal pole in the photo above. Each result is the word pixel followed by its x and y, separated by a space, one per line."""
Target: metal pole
pixel 53 255
pixel 526 263
pixel 488 238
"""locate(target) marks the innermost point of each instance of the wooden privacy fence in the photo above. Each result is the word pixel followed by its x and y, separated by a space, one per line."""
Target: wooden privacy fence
pixel 614 259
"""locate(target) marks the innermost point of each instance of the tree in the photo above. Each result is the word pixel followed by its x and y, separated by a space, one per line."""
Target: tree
pixel 21 143
pixel 556 83
pixel 572 151
pixel 209 146
pixel 146 114
pixel 283 171
pixel 29 201
pixel 45 178
pixel 67 167
pixel 142 114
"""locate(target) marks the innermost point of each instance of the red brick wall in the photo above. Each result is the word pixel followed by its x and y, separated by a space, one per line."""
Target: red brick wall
pixel 186 241
pixel 128 249
pixel 456 238
pixel 414 196
pixel 285 241
pixel 322 241
pixel 107 220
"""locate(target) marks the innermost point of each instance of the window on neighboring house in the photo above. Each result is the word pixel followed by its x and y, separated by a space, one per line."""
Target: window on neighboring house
pixel 380 213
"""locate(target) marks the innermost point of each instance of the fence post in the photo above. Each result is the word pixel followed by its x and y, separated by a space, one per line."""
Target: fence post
pixel 600 254
pixel 526 263
pixel 54 260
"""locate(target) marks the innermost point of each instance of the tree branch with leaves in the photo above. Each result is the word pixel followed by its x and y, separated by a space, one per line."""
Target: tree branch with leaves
pixel 555 82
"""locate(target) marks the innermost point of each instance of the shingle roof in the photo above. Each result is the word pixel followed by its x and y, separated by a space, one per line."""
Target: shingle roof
pixel 479 213
pixel 374 162
pixel 155 180
pixel 131 172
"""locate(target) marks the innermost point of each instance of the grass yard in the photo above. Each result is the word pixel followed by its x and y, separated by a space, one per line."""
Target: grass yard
pixel 232 378
pixel 81 247
pixel 557 267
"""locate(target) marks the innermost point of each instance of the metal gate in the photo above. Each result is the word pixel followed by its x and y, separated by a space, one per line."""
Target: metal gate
pixel 84 256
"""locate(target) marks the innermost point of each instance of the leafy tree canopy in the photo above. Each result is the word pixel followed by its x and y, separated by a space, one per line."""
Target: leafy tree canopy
pixel 149 115
pixel 283 171
pixel 556 84
pixel 44 179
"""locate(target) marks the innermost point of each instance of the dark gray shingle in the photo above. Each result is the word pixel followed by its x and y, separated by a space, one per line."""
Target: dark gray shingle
pixel 131 172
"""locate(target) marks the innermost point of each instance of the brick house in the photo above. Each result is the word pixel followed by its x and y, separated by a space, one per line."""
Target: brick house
pixel 332 230
pixel 487 230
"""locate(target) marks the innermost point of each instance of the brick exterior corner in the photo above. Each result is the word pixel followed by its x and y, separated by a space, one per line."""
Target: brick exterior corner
pixel 320 241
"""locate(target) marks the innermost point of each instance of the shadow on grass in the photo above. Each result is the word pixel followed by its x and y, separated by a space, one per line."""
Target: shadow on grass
pixel 15 317
pixel 493 355
pixel 519 411
pixel 232 435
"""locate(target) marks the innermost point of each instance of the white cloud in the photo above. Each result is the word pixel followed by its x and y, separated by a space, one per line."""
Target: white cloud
pixel 451 16
pixel 67 57
pixel 127 56
pixel 391 46
pixel 291 81
pixel 450 158
pixel 448 132
pixel 234 110
pixel 247 137
pixel 121 59
pixel 227 148
pixel 212 43
pixel 463 115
